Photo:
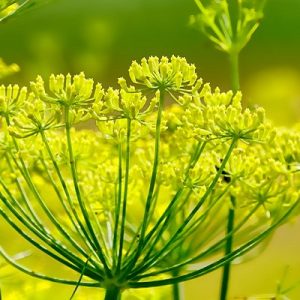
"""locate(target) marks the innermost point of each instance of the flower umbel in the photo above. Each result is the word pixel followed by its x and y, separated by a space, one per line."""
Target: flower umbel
pixel 229 31
pixel 174 76
pixel 122 204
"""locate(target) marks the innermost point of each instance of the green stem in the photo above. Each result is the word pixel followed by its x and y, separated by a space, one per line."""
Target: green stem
pixel 214 248
pixel 235 85
pixel 234 71
pixel 112 293
pixel 117 207
pixel 177 291
pixel 42 276
pixel 154 169
pixel 149 200
pixel 125 196
pixel 92 235
pixel 181 228
pixel 228 250
pixel 63 256
pixel 156 232
pixel 219 263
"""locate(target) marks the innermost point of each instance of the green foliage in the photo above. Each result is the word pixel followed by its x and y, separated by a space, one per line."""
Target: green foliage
pixel 9 8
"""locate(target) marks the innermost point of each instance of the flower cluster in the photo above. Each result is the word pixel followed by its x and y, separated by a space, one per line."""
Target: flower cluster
pixel 12 99
pixel 174 76
pixel 68 91
pixel 216 21
pixel 125 200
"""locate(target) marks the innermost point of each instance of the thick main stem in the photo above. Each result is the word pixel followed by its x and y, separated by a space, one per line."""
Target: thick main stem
pixel 112 293
pixel 228 250
pixel 234 71
pixel 177 291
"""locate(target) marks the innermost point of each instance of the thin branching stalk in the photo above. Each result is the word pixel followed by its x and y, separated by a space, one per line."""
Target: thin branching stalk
pixel 149 200
pixel 82 205
pixel 125 196
pixel 178 233
pixel 118 203
pixel 219 263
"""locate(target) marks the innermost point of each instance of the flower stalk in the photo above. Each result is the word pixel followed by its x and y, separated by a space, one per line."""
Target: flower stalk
pixel 112 293
pixel 234 71
pixel 126 183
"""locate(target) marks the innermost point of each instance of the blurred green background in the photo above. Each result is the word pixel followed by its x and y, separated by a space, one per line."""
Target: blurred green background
pixel 102 37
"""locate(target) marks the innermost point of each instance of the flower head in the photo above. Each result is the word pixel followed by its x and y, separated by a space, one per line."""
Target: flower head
pixel 215 21
pixel 12 99
pixel 71 91
pixel 174 76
